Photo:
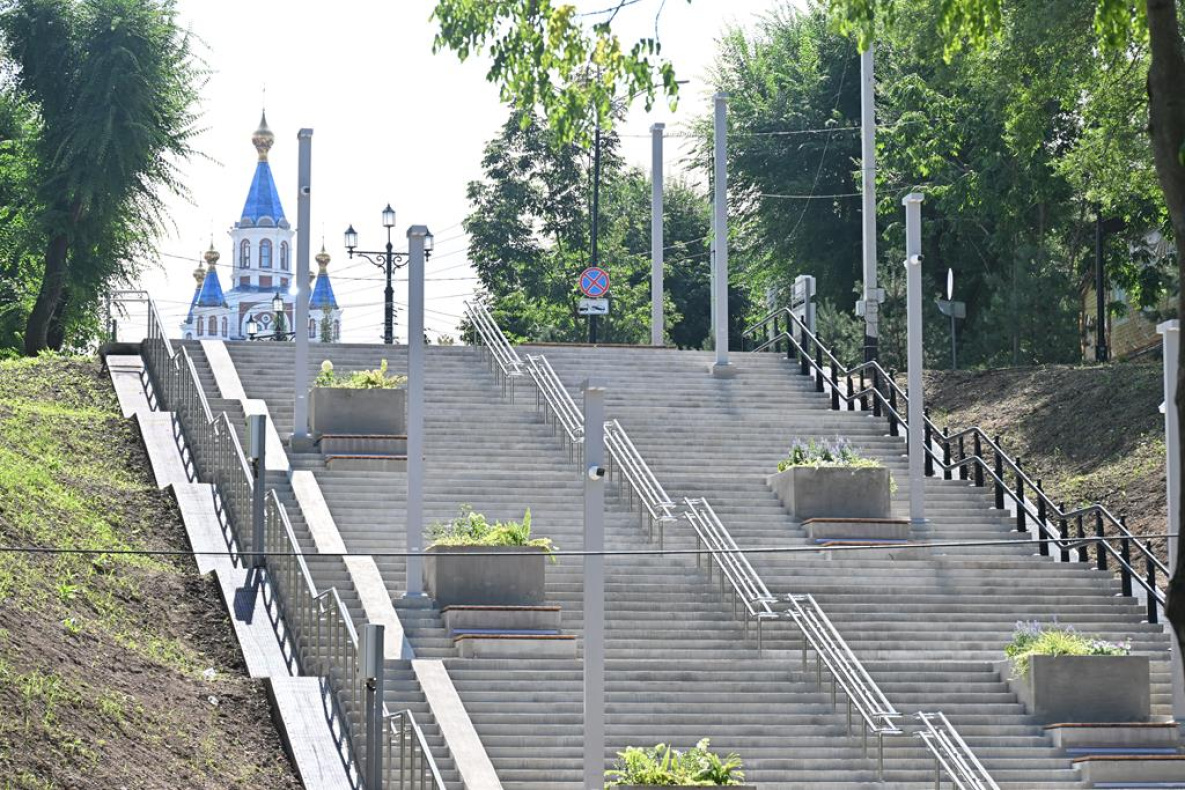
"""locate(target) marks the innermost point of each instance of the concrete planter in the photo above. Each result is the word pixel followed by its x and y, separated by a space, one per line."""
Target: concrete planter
pixel 459 575
pixel 1084 689
pixel 341 410
pixel 832 491
pixel 667 787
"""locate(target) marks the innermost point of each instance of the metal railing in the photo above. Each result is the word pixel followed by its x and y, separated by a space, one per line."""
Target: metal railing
pixel 749 592
pixel 638 481
pixel 847 674
pixel 952 756
pixel 561 408
pixel 975 457
pixel 504 360
pixel 314 626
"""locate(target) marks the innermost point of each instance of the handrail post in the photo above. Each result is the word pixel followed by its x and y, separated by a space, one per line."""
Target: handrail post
pixel 947 473
pixel 999 473
pixel 818 367
pixel 1125 565
pixel 893 430
pixel 928 437
pixel 1020 499
pixel 1042 543
pixel 1100 547
pixel 1063 533
pixel 1150 566
pixel 863 392
pixel 978 461
pixel 1083 555
pixel 876 397
pixel 834 388
pixel 962 457
pixel 804 365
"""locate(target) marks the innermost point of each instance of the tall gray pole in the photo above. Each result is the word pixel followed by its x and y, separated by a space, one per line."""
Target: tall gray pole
pixel 1172 468
pixel 720 232
pixel 656 235
pixel 371 667
pixel 871 301
pixel 416 236
pixel 300 310
pixel 913 269
pixel 257 452
pixel 594 586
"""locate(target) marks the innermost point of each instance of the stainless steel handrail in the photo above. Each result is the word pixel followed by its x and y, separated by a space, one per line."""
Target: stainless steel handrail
pixel 847 674
pixel 551 391
pixel 406 753
pixel 317 625
pixel 952 756
pixel 504 360
pixel 748 589
pixel 637 479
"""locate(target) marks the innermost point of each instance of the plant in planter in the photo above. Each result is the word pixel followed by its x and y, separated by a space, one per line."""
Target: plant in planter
pixel 1064 676
pixel 665 766
pixel 365 402
pixel 820 479
pixel 453 576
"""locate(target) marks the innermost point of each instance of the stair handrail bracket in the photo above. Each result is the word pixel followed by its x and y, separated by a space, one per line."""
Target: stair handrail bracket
pixel 505 362
pixel 974 456
pixel 951 754
pixel 316 625
pixel 847 674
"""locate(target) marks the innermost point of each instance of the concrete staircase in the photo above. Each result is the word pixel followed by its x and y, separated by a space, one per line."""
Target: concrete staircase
pixel 402 689
pixel 679 667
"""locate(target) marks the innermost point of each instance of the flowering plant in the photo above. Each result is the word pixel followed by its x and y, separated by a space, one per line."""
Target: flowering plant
pixel 1032 638
pixel 359 379
pixel 822 453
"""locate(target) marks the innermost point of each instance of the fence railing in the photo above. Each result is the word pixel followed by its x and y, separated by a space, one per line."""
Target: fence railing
pixel 974 456
pixel 952 756
pixel 863 695
pixel 638 481
pixel 504 360
pixel 315 626
pixel 749 592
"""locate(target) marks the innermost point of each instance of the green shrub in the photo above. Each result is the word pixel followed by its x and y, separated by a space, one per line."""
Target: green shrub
pixel 360 379
pixel 1044 639
pixel 473 529
pixel 666 766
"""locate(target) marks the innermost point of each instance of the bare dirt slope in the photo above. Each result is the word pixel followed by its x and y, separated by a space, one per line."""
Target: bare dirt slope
pixel 1092 433
pixel 104 659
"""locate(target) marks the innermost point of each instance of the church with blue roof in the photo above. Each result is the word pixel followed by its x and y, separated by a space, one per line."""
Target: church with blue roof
pixel 263 265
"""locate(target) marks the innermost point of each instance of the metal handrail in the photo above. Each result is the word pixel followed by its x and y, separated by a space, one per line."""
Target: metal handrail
pixel 550 390
pixel 847 674
pixel 735 570
pixel 415 769
pixel 952 756
pixel 316 625
pixel 504 360
pixel 948 453
pixel 636 477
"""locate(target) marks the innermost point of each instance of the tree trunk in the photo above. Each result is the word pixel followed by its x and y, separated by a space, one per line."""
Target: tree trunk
pixel 53 283
pixel 1166 111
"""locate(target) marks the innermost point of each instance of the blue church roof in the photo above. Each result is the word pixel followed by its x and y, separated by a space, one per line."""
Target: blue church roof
pixel 322 294
pixel 263 202
pixel 211 295
pixel 196 293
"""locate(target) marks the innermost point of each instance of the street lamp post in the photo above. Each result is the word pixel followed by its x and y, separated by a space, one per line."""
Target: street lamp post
pixel 278 309
pixel 389 260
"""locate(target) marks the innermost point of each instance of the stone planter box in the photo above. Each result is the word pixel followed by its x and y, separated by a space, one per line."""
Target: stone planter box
pixel 459 575
pixel 832 491
pixel 668 787
pixel 341 410
pixel 1084 689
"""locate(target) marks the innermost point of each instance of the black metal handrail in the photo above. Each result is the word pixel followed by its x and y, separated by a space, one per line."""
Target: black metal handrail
pixel 948 453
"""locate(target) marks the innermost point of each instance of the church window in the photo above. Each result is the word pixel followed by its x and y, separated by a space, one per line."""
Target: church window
pixel 201 325
pixel 284 256
pixel 265 254
pixel 224 326
pixel 244 282
pixel 245 254
pixel 337 331
pixel 265 282
pixel 312 329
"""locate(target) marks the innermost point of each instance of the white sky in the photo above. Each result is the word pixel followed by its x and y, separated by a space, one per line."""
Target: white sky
pixel 392 123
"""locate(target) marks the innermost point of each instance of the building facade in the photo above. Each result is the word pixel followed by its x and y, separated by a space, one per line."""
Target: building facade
pixel 262 266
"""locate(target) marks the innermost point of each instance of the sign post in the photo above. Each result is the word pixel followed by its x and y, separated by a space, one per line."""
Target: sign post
pixel 955 310
pixel 594 284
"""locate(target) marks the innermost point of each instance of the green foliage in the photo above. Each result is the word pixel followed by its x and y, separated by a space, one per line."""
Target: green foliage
pixel 664 765
pixel 377 379
pixel 543 56
pixel 819 454
pixel 473 529
pixel 1043 639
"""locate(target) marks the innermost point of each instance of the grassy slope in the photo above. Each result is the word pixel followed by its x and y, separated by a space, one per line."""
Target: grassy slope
pixel 102 656
pixel 1092 433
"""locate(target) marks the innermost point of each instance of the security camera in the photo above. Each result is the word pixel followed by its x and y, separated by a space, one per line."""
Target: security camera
pixel 915 259
pixel 596 472
pixel 305 190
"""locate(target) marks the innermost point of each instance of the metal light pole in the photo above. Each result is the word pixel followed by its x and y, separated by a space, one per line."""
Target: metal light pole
pixel 656 235
pixel 917 414
pixel 257 452
pixel 596 213
pixel 1171 330
pixel 594 586
pixel 419 242
pixel 300 310
pixel 870 304
pixel 720 232
pixel 371 668
pixel 278 308
pixel 387 259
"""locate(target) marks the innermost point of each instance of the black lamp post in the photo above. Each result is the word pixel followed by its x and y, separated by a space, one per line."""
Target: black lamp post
pixel 252 328
pixel 389 259
pixel 278 309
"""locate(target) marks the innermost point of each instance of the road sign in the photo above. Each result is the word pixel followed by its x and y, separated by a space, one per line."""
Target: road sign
pixel 593 307
pixel 950 284
pixel 945 307
pixel 594 282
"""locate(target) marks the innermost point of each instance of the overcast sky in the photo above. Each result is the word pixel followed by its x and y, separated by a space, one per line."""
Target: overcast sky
pixel 392 123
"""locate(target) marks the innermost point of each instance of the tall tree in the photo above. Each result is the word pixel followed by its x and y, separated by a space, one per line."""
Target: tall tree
pixel 114 86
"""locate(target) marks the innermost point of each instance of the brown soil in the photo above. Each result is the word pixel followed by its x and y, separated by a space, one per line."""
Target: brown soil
pixel 102 657
pixel 1092 434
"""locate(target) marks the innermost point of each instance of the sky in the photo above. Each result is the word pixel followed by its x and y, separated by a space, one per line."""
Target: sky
pixel 392 123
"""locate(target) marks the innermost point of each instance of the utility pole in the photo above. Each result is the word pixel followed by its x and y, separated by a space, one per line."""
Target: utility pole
pixel 656 235
pixel 917 413
pixel 417 236
pixel 720 230
pixel 594 586
pixel 300 310
pixel 596 214
pixel 870 304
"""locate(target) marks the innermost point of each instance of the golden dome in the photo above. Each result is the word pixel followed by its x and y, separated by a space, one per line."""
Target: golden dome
pixel 211 256
pixel 322 260
pixel 263 139
pixel 199 275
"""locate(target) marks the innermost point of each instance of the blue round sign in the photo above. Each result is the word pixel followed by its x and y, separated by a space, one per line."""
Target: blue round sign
pixel 594 282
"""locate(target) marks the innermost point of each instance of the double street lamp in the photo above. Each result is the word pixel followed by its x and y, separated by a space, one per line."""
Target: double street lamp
pixel 388 259
pixel 278 332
